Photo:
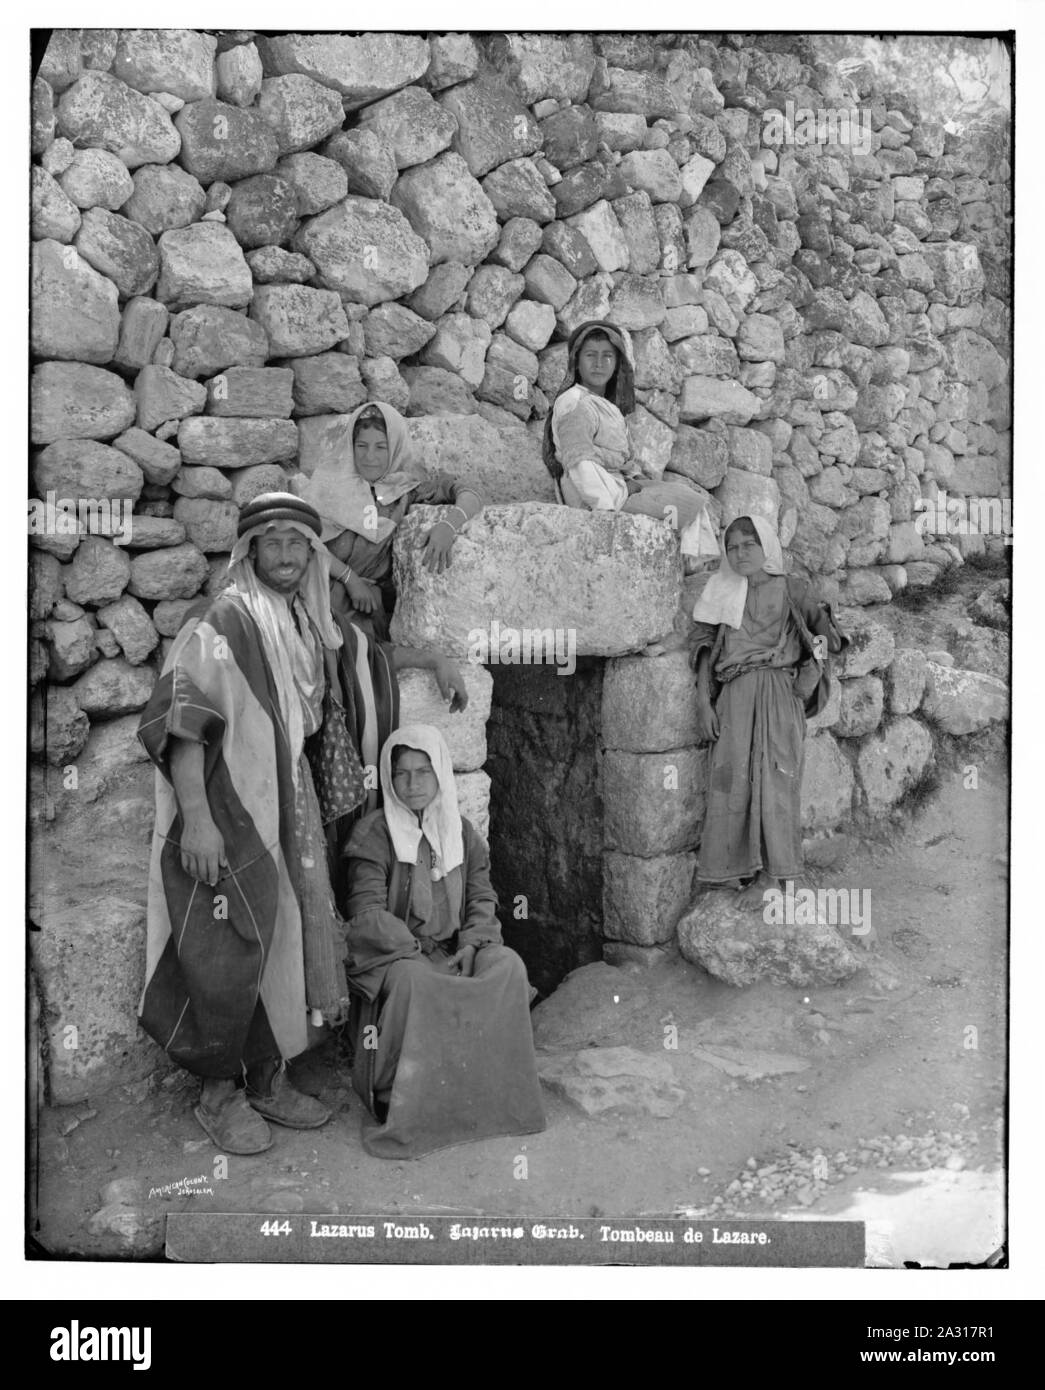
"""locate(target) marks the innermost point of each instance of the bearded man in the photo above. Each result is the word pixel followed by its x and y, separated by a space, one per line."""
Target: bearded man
pixel 245 944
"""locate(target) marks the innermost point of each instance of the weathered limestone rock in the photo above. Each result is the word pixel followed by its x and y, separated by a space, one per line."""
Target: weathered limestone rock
pixel 128 621
pixel 97 179
pixel 155 532
pixel 743 493
pixel 367 160
pixel 263 211
pixel 651 442
pixel 384 382
pixel 298 320
pixel 300 112
pixel 709 398
pixel 735 945
pixel 75 310
pixel 516 189
pixel 366 250
pixel 41 118
pixel 465 732
pixel 45 584
pixel 202 481
pixel 142 326
pixel 98 573
pixel 248 483
pixel 890 763
pixel 203 264
pixel 271 265
pixel 493 125
pixel 53 214
pixel 209 339
pixel 435 391
pixel 621 130
pixel 168 574
pixel 236 443
pixel 473 798
pixel 530 324
pixel 653 803
pixel 445 285
pixel 544 65
pixel 392 330
pixel 99 111
pixel 905 680
pixel 252 391
pixel 89 961
pixel 827 784
pixel 620 1080
pixel 179 61
pixel 601 230
pixel 612 581
pixel 83 468
pixel 871 644
pixel 118 249
pixel 454 58
pixel 169 615
pixel 654 172
pixel 361 68
pixel 161 395
pixel 861 707
pixel 59 727
pixel 703 457
pixel 238 74
pixel 506 464
pixel 636 303
pixel 219 141
pixel 71 400
pixel 72 648
pixel 639 93
pixel 329 381
pixel 491 293
pixel 447 207
pixel 414 124
pixel 643 898
pixel 318 182
pixel 210 526
pixel 963 702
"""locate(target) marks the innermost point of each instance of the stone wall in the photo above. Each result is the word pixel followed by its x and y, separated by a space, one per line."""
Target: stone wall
pixel 237 239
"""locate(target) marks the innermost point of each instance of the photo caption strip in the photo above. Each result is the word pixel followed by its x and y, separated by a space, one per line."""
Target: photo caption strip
pixel 268 1238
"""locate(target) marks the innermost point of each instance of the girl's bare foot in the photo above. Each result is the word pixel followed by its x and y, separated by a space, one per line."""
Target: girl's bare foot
pixel 754 894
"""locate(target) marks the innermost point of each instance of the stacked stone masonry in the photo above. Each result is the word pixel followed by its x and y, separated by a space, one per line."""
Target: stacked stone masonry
pixel 238 239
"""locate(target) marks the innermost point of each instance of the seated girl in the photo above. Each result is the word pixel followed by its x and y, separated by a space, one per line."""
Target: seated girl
pixel 363 497
pixel 587 449
pixel 441 1019
pixel 758 649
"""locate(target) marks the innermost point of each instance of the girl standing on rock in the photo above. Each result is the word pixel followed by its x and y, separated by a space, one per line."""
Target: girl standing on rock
pixel 364 497
pixel 588 451
pixel 758 649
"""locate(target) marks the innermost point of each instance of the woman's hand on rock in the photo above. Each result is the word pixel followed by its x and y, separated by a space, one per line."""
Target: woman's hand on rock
pixel 438 543
pixel 451 683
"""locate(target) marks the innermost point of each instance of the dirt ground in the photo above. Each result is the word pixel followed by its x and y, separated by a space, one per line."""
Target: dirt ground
pixel 883 1084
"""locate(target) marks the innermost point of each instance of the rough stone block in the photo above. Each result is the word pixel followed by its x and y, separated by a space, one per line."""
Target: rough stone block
pixel 737 946
pixel 643 898
pixel 892 761
pixel 963 702
pixel 827 784
pixel 465 732
pixel 609 583
pixel 203 264
pixel 653 803
pixel 298 320
pixel 236 443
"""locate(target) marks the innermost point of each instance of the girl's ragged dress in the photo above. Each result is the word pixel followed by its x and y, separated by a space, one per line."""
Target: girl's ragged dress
pixel 766 676
pixel 440 1058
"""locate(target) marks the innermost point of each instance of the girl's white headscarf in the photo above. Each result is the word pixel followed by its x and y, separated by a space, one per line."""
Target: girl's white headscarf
pixel 290 659
pixel 441 818
pixel 724 595
pixel 346 501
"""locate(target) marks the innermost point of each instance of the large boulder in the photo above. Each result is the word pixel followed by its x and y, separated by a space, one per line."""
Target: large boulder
pixel 203 264
pixel 737 945
pixel 83 468
pixel 893 761
pixel 53 214
pixel 413 123
pixel 209 338
pixel 97 179
pixel 595 584
pixel 262 211
pixel 493 125
pixel 827 784
pixel 178 61
pixel 119 249
pixel 361 68
pixel 542 66
pixel 506 464
pixel 299 320
pixel 447 207
pixel 963 702
pixel 236 443
pixel 301 112
pixel 100 112
pixel 71 400
pixel 164 197
pixel 75 310
pixel 223 142
pixel 366 250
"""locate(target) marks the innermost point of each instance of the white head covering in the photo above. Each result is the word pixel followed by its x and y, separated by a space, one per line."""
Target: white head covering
pixel 723 597
pixel 441 818
pixel 346 501
pixel 291 660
